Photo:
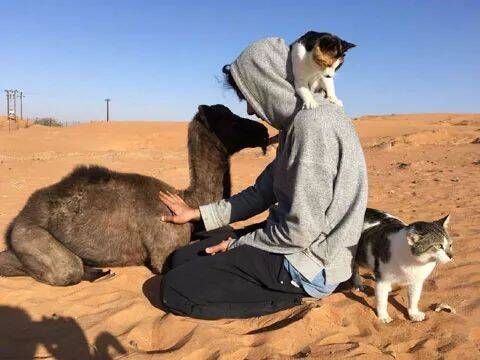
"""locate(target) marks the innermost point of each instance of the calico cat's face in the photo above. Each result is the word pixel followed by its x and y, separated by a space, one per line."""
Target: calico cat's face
pixel 429 241
pixel 329 53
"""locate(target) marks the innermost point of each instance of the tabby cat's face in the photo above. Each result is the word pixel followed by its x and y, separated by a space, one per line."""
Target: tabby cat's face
pixel 429 241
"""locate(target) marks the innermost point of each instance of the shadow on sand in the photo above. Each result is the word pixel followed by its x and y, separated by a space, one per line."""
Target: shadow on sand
pixel 62 337
pixel 347 290
pixel 151 290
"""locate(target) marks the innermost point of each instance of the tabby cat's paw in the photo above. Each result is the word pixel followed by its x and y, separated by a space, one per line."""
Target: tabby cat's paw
pixel 416 316
pixel 310 104
pixel 385 319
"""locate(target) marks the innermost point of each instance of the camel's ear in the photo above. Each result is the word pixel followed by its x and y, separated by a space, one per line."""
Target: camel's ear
pixel 202 115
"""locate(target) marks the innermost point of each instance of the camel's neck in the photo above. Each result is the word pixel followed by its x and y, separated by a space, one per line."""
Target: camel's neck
pixel 209 168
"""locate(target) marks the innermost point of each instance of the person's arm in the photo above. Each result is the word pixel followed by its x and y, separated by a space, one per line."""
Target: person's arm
pixel 251 201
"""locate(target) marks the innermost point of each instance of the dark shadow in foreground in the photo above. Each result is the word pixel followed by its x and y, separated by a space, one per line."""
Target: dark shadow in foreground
pixel 151 290
pixel 61 336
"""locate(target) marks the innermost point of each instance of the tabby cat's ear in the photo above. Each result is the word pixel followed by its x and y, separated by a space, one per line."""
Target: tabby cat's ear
pixel 412 237
pixel 444 221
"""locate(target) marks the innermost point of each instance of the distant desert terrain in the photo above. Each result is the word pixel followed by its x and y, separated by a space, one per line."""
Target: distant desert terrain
pixel 421 167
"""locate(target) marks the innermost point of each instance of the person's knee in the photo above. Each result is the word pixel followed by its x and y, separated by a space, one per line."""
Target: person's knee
pixel 177 258
pixel 184 255
pixel 166 288
pixel 171 297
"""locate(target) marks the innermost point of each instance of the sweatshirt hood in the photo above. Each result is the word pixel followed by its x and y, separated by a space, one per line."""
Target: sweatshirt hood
pixel 263 73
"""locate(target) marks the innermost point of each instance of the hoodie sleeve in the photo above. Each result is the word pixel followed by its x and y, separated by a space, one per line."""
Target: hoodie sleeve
pixel 250 202
pixel 309 181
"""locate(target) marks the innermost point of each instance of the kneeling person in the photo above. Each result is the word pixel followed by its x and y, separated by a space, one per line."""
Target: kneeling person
pixel 316 193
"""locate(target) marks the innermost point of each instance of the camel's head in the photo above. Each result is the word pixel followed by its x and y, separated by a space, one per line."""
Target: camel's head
pixel 234 132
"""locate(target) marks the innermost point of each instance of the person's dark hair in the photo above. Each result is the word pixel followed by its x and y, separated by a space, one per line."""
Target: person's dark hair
pixel 230 83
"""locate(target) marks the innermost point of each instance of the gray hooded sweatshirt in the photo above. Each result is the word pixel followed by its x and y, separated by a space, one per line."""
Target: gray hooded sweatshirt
pixel 315 189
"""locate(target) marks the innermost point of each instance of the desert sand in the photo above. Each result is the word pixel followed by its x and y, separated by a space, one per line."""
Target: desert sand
pixel 421 167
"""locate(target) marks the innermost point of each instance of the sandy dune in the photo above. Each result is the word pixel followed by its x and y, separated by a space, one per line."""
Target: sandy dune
pixel 420 167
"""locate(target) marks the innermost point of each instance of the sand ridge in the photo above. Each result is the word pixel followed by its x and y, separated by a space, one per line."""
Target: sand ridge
pixel 421 166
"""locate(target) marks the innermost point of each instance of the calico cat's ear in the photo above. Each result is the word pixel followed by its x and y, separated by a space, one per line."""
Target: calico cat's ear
pixel 444 221
pixel 347 46
pixel 412 237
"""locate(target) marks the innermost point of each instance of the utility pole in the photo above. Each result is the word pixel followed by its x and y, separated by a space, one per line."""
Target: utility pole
pixel 15 92
pixel 108 109
pixel 21 105
pixel 7 93
pixel 12 106
pixel 11 113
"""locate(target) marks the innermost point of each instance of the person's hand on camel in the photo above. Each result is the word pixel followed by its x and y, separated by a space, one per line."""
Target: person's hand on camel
pixel 182 213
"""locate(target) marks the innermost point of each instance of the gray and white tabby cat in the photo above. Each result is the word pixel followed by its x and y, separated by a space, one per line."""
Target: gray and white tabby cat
pixel 315 58
pixel 400 254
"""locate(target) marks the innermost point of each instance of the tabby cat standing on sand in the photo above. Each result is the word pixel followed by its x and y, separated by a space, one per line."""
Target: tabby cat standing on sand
pixel 315 58
pixel 401 254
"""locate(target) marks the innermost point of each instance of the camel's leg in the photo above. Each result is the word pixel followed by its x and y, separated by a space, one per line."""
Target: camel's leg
pixel 158 258
pixel 167 237
pixel 45 258
pixel 10 265
pixel 158 251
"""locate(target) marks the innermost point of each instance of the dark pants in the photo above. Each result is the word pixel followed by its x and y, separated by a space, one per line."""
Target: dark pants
pixel 240 283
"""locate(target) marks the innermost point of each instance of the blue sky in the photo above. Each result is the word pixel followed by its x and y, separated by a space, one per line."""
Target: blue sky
pixel 160 59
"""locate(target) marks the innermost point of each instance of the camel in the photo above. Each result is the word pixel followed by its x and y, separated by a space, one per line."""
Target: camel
pixel 96 217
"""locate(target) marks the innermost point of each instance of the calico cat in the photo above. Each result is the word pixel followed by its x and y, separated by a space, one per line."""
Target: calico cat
pixel 400 254
pixel 315 58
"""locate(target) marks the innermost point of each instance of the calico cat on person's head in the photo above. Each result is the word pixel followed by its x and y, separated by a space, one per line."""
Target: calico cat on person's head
pixel 401 254
pixel 315 58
